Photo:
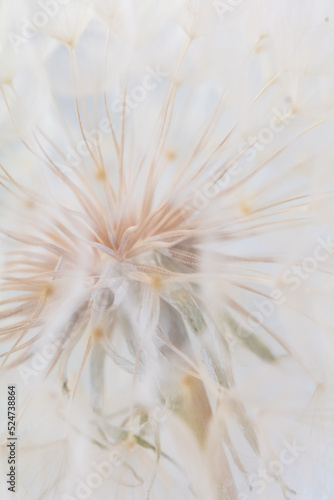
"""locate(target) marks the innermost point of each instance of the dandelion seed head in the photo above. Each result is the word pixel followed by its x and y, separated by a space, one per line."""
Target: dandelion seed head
pixel 160 162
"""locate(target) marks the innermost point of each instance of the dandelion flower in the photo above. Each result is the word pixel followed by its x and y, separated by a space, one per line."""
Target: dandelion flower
pixel 163 240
